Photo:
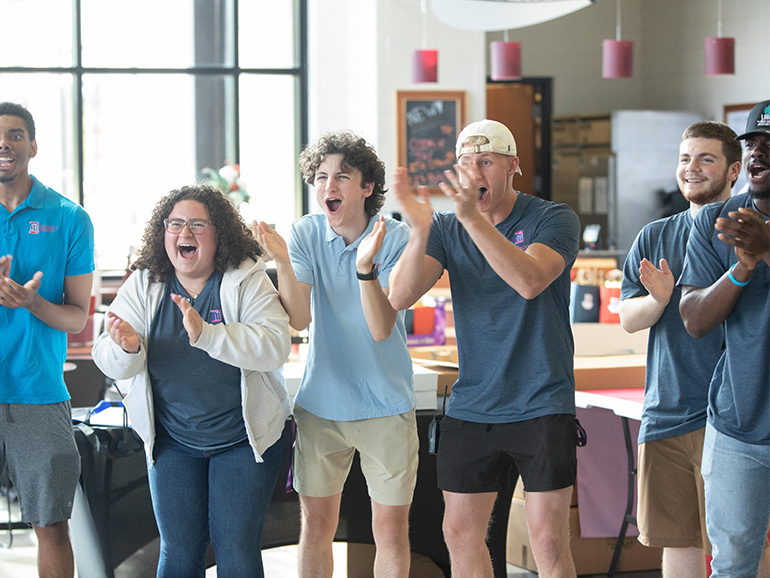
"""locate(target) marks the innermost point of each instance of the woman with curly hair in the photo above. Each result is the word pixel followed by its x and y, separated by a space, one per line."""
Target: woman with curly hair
pixel 199 330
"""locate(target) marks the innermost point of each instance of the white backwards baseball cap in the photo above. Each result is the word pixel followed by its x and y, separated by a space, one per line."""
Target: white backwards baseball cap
pixel 500 139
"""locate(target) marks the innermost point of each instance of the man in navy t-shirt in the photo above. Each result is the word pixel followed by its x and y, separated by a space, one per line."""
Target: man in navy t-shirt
pixel 671 511
pixel 726 280
pixel 512 410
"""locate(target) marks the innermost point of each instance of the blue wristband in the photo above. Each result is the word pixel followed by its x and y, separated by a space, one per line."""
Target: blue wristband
pixel 734 280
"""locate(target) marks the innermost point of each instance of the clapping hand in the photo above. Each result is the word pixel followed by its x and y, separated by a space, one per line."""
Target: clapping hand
pixel 122 333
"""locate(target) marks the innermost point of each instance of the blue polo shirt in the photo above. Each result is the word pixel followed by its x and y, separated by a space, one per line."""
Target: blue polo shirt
pixel 47 233
pixel 739 395
pixel 349 376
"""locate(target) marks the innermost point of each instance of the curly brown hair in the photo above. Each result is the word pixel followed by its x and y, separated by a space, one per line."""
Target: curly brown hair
pixel 357 154
pixel 234 240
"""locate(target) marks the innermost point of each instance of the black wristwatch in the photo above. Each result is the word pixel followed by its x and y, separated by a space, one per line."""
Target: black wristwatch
pixel 371 276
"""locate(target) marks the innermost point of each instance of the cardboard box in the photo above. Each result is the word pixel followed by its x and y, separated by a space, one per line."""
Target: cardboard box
pixel 591 555
pixel 610 372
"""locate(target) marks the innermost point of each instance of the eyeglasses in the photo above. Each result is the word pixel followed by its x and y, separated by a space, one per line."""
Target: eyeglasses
pixel 196 226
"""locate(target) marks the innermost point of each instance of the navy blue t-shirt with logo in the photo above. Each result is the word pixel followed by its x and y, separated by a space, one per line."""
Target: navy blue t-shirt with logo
pixel 515 353
pixel 197 399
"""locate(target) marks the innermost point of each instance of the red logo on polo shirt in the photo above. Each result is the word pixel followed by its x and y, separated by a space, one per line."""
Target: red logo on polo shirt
pixel 36 228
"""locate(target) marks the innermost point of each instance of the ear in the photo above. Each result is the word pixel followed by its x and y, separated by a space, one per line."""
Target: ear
pixel 368 189
pixel 734 171
pixel 513 165
pixel 32 149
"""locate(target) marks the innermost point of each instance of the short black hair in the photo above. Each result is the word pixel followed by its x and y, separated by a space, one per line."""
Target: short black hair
pixel 13 109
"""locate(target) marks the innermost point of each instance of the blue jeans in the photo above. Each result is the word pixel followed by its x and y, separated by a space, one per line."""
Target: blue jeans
pixel 737 483
pixel 221 495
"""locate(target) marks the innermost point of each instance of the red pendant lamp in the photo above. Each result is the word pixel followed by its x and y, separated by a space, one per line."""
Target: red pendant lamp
pixel 720 51
pixel 424 61
pixel 505 59
pixel 617 55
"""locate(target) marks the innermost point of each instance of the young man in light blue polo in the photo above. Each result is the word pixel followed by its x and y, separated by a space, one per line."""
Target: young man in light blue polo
pixel 46 266
pixel 357 392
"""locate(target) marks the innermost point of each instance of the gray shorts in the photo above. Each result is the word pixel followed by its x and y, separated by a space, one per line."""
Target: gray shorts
pixel 38 446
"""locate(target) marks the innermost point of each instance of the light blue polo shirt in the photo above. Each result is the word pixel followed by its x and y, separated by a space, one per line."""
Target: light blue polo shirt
pixel 349 376
pixel 47 233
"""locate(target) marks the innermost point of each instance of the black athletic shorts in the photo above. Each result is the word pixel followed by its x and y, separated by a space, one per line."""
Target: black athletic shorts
pixel 478 457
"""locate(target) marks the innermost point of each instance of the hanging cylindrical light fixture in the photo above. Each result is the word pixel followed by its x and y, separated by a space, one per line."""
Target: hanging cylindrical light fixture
pixel 720 51
pixel 505 59
pixel 617 55
pixel 424 61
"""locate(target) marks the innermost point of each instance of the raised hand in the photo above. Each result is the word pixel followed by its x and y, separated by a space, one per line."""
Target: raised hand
pixel 415 205
pixel 122 333
pixel 370 246
pixel 272 243
pixel 658 282
pixel 465 192
pixel 191 319
pixel 747 231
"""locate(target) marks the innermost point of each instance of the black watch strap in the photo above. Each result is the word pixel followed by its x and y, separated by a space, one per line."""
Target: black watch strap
pixel 371 276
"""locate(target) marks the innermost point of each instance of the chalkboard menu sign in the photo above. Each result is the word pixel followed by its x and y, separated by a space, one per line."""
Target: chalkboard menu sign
pixel 428 125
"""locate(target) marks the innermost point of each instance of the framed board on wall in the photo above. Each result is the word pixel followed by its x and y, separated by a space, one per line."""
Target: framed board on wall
pixel 735 116
pixel 428 123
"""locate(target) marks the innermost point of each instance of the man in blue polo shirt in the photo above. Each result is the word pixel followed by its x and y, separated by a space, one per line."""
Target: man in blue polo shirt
pixel 357 393
pixel 726 279
pixel 46 266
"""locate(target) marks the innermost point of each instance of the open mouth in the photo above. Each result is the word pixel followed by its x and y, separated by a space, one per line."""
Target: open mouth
pixel 5 162
pixel 187 251
pixel 333 205
pixel 483 194
pixel 758 171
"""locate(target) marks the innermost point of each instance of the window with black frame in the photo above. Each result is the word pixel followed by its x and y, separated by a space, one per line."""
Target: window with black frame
pixel 133 99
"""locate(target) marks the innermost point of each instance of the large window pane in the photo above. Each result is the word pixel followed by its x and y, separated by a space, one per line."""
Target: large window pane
pixel 139 141
pixel 140 33
pixel 268 149
pixel 49 98
pixel 266 34
pixel 36 34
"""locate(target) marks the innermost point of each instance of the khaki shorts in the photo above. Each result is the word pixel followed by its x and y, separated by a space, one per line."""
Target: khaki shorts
pixel 671 510
pixel 324 450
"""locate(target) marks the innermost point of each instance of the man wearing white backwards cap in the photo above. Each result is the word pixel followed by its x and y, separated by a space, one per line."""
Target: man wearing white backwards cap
pixel 512 410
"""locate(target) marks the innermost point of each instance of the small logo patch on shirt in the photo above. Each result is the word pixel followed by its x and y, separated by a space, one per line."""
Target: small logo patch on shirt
pixel 518 237
pixel 216 316
pixel 36 228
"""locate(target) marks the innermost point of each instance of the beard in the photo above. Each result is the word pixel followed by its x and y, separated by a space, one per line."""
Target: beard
pixel 760 194
pixel 705 196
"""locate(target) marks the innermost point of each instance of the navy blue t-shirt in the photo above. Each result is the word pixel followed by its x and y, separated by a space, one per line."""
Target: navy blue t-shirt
pixel 739 396
pixel 679 367
pixel 515 355
pixel 197 399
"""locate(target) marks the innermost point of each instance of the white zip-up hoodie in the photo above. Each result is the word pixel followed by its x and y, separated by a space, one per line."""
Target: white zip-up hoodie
pixel 255 337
